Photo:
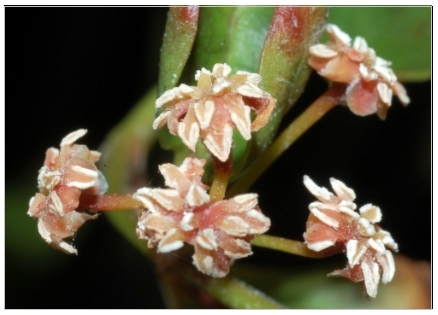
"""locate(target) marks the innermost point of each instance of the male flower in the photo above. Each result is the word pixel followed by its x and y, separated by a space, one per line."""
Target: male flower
pixel 65 175
pixel 213 108
pixel 371 82
pixel 334 225
pixel 220 232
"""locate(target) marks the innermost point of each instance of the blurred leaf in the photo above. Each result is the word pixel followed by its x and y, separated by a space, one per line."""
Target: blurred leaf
pixel 234 36
pixel 124 157
pixel 401 35
pixel 237 294
pixel 310 288
pixel 32 248
pixel 179 35
pixel 283 65
pixel 225 35
pixel 231 35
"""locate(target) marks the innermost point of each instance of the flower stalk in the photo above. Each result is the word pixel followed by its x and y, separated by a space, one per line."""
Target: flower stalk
pixel 222 173
pixel 108 202
pixel 295 130
pixel 285 245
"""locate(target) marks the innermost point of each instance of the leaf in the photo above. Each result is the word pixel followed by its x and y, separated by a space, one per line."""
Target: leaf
pixel 398 34
pixel 234 36
pixel 231 35
pixel 237 294
pixel 179 35
pixel 283 65
pixel 32 250
pixel 124 157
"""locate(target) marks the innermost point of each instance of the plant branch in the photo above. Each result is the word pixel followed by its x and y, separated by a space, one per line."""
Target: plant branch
pixel 286 245
pixel 297 128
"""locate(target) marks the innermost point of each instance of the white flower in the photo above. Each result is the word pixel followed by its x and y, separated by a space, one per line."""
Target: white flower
pixel 220 232
pixel 335 226
pixel 65 176
pixel 371 81
pixel 216 106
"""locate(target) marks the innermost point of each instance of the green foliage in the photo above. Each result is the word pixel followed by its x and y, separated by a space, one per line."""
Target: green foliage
pixel 401 35
pixel 125 152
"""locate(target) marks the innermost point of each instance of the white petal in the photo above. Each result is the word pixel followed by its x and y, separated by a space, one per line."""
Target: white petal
pixel 360 44
pixel 319 192
pixel 220 145
pixel 191 137
pixel 369 228
pixel 385 93
pixel 234 226
pixel 72 137
pixel 207 266
pixel 166 248
pixel 339 35
pixel 377 245
pixel 388 266
pixel 56 204
pixel 207 239
pixel 87 172
pixel 251 77
pixel 161 120
pixel 349 212
pixel 203 71
pixel 353 253
pixel 342 191
pixel 242 120
pixel 248 201
pixel 197 196
pixel 250 89
pixel 322 51
pixel 185 223
pixel 204 112
pixel 261 224
pixel 220 84
pixel 325 218
pixel 221 70
pixel 371 278
pixel 318 246
pixel 370 212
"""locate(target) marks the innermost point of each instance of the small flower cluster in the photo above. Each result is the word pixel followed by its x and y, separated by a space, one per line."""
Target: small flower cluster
pixel 212 109
pixel 371 82
pixel 220 232
pixel 335 225
pixel 66 175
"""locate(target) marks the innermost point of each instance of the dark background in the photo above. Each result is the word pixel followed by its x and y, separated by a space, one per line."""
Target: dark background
pixel 70 68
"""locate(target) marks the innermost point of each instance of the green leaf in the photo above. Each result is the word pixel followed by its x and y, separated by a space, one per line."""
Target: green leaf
pixel 32 250
pixel 283 65
pixel 179 35
pixel 231 35
pixel 124 156
pixel 401 35
pixel 234 36
pixel 237 294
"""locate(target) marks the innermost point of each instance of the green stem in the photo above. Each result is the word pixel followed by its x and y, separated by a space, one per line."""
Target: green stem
pixel 237 294
pixel 108 202
pixel 298 127
pixel 286 245
pixel 222 172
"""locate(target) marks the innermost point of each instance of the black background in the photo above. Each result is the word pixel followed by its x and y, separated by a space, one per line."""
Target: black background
pixel 70 68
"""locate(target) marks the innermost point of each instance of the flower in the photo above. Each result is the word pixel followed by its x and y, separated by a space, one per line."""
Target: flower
pixel 334 225
pixel 371 82
pixel 65 176
pixel 212 109
pixel 220 232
